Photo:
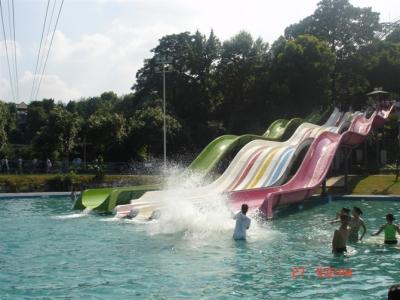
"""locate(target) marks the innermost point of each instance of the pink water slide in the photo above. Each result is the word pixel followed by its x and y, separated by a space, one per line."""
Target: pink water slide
pixel 313 169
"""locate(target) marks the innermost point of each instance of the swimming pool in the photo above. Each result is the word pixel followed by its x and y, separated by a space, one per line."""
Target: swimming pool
pixel 48 252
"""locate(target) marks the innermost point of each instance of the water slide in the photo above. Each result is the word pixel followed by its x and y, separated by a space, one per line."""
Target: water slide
pixel 260 163
pixel 105 199
pixel 313 169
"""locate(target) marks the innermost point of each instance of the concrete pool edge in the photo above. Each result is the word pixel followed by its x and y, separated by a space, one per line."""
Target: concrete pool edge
pixel 7 196
pixel 355 197
pixel 317 199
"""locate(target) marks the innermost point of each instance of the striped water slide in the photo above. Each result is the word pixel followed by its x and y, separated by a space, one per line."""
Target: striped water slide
pixel 259 163
pixel 312 170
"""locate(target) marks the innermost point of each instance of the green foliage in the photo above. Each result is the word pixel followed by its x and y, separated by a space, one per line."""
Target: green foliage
pixel 3 124
pixel 52 183
pixel 394 36
pixel 98 167
pixel 60 133
pixel 190 84
pixel 344 27
pixel 301 69
pixel 147 124
pixel 241 80
pixel 236 86
pixel 106 131
pixel 61 182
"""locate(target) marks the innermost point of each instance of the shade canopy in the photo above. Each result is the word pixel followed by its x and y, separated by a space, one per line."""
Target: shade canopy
pixel 376 93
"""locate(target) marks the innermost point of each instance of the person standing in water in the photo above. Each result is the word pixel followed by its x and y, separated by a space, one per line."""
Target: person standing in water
pixel 355 223
pixel 72 196
pixel 242 223
pixel 389 229
pixel 339 241
pixel 343 211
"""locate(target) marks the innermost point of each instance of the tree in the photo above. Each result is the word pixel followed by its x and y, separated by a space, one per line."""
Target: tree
pixel 190 85
pixel 394 36
pixel 241 76
pixel 37 116
pixel 146 131
pixel 382 61
pixel 106 131
pixel 3 125
pixel 344 27
pixel 300 71
pixel 60 133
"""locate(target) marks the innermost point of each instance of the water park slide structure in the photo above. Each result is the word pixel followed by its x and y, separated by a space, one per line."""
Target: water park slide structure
pixel 220 147
pixel 260 163
pixel 105 199
pixel 312 171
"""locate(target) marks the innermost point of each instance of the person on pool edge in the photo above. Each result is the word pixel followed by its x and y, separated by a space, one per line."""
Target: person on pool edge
pixel 341 235
pixel 389 229
pixel 242 223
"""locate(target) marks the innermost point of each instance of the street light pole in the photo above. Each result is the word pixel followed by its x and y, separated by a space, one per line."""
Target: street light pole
pixel 164 123
pixel 165 63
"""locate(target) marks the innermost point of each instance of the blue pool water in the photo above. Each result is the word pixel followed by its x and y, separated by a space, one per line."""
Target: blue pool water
pixel 47 252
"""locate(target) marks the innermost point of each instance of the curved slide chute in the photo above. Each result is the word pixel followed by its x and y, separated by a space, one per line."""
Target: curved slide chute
pixel 260 163
pixel 313 169
pixel 105 199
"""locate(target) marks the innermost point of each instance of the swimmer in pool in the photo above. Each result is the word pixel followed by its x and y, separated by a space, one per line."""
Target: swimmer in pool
pixel 341 235
pixel 343 211
pixel 390 230
pixel 355 223
pixel 394 292
pixel 242 223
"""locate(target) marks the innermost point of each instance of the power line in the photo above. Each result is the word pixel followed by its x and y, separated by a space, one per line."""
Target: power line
pixel 11 29
pixel 5 44
pixel 15 50
pixel 40 48
pixel 45 46
pixel 51 43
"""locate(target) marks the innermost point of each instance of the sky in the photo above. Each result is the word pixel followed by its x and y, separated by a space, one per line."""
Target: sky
pixel 100 44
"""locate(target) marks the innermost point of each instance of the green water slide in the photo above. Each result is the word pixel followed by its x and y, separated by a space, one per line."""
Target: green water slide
pixel 222 146
pixel 105 199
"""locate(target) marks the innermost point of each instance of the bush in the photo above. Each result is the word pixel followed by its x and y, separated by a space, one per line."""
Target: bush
pixel 10 186
pixel 61 182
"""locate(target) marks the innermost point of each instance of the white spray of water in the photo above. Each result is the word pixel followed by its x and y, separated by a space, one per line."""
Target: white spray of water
pixel 86 212
pixel 201 221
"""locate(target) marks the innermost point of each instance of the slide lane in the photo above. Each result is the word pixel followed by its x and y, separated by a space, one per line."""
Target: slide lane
pixel 313 169
pixel 258 163
pixel 105 199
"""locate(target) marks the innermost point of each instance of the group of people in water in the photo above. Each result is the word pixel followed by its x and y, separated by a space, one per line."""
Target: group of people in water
pixel 350 225
pixel 350 221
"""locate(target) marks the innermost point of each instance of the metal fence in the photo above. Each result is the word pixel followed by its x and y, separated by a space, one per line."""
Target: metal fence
pixel 153 167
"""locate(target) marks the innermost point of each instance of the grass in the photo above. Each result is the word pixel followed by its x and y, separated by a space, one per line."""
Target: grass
pixel 60 182
pixel 370 185
pixel 358 185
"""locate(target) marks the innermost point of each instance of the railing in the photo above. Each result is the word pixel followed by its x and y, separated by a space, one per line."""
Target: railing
pixel 153 167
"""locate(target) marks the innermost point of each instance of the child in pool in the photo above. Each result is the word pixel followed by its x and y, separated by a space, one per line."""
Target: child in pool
pixel 389 229
pixel 340 236
pixel 242 223
pixel 343 211
pixel 355 223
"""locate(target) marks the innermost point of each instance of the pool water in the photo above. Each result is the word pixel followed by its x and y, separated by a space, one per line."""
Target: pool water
pixel 48 252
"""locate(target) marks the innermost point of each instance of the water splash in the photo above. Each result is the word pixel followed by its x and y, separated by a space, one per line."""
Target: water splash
pixel 205 219
pixel 86 212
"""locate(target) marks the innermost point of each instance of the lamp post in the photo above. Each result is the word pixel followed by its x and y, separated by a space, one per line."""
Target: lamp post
pixel 164 66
